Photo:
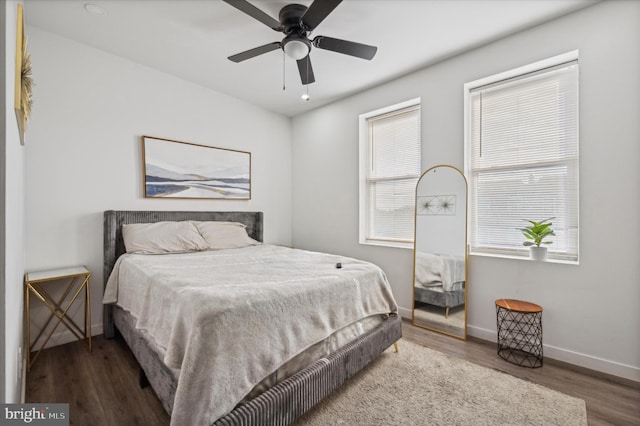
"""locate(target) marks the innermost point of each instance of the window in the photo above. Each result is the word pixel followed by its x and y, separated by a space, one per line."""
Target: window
pixel 389 170
pixel 521 157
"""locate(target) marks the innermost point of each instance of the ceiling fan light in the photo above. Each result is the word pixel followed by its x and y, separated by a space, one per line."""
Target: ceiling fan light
pixel 296 49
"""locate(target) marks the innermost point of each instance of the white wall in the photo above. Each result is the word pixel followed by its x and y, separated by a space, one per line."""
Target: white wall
pixel 591 314
pixel 12 208
pixel 84 151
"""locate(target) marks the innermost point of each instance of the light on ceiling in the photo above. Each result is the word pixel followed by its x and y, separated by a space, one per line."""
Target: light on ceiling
pixel 296 49
pixel 305 96
pixel 93 9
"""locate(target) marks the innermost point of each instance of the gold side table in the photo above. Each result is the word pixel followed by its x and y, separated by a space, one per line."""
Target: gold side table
pixel 34 284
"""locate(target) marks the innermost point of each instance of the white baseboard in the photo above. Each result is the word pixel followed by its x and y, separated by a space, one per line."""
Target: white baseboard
pixel 482 333
pixel 65 336
pixel 587 361
pixel 23 382
pixel 405 313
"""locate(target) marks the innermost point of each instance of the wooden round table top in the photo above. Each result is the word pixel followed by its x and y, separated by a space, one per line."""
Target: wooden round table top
pixel 519 306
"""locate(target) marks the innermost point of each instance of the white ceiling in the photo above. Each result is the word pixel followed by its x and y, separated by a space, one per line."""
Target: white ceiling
pixel 192 39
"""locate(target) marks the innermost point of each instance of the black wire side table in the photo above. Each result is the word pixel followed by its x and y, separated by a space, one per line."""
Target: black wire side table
pixel 519 332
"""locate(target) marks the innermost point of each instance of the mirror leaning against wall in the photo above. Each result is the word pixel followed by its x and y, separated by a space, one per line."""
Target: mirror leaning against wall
pixel 440 252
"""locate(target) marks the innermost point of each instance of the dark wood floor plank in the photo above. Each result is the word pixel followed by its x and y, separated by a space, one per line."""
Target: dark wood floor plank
pixel 104 372
pixel 102 387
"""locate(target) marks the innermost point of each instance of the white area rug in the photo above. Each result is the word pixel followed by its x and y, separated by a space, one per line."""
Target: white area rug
pixel 419 386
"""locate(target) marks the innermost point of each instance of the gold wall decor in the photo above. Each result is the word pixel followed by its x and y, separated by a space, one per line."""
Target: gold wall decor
pixel 23 84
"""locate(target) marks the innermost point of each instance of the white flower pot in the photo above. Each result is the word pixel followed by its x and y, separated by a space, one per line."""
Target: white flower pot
pixel 538 253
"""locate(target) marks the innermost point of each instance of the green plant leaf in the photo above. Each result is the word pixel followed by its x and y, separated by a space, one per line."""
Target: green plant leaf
pixel 537 232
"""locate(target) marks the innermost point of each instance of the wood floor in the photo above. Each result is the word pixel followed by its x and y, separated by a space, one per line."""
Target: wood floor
pixel 102 387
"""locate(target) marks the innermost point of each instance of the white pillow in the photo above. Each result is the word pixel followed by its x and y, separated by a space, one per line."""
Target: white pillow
pixel 162 237
pixel 224 235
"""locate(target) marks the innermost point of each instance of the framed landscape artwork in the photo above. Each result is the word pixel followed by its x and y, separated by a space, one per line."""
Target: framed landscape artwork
pixel 174 169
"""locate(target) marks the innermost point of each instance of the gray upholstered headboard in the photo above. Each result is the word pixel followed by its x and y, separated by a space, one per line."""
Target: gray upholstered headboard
pixel 114 244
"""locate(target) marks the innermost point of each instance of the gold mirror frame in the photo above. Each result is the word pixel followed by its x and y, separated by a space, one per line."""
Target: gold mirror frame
pixel 438 205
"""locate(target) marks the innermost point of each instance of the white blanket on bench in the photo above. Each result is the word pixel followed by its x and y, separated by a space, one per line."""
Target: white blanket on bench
pixel 439 270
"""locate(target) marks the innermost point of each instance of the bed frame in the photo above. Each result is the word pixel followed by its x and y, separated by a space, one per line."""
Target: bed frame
pixel 438 297
pixel 284 402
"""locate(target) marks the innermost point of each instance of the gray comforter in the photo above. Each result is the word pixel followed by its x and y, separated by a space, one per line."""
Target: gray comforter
pixel 227 319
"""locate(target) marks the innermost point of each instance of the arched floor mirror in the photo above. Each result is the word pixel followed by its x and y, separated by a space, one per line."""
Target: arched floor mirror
pixel 440 252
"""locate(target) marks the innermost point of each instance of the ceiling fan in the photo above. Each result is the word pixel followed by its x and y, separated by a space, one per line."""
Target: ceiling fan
pixel 297 22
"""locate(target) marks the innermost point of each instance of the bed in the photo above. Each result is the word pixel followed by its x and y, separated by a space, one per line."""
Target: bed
pixel 288 394
pixel 439 280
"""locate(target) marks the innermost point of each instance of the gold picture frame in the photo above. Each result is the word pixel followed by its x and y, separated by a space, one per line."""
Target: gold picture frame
pixel 23 82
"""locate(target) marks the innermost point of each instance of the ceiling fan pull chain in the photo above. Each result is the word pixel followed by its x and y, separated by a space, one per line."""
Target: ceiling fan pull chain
pixel 308 61
pixel 283 67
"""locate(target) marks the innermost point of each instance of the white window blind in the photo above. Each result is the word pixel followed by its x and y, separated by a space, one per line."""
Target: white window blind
pixel 524 160
pixel 392 173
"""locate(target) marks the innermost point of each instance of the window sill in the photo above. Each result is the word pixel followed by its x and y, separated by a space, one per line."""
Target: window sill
pixel 526 259
pixel 392 244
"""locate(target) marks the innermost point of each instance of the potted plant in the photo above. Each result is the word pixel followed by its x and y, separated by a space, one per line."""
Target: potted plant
pixel 535 234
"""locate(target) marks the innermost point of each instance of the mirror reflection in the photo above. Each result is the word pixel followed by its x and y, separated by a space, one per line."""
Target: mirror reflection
pixel 440 251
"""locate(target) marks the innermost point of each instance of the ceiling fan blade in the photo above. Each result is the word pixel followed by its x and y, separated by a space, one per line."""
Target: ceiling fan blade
pixel 346 47
pixel 306 71
pixel 316 13
pixel 255 13
pixel 251 53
